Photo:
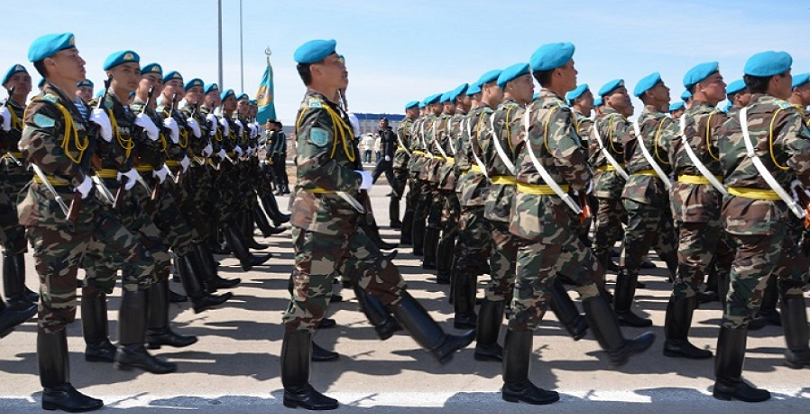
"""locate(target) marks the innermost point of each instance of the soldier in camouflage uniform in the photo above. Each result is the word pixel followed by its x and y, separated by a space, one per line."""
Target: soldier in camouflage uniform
pixel 420 169
pixel 14 175
pixel 437 137
pixel 401 160
pixel 428 207
pixel 548 148
pixel 326 230
pixel 755 216
pixel 56 139
pixel 581 101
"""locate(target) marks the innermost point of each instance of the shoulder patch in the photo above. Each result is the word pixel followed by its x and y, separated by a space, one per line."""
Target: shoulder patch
pixel 49 98
pixel 315 104
pixel 784 104
pixel 43 121
pixel 319 136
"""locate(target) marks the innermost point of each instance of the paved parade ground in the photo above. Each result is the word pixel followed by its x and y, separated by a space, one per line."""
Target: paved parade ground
pixel 234 368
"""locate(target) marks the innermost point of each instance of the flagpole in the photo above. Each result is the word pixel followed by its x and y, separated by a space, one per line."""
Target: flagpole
pixel 241 51
pixel 219 36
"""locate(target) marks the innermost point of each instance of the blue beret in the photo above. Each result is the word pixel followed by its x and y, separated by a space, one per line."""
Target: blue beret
pixel 445 97
pixel 598 101
pixel 686 95
pixel 192 83
pixel 227 94
pixel 422 104
pixel 100 92
pixel 512 72
pixel 576 92
pixel 432 99
pixel 172 76
pixel 676 106
pixel 551 56
pixel 411 104
pixel 211 87
pixel 735 87
pixel 727 106
pixel 699 73
pixel 609 87
pixel 474 89
pixel 535 96
pixel 243 96
pixel 488 77
pixel 152 68
pixel 646 83
pixel 798 80
pixel 41 83
pixel 460 90
pixel 768 64
pixel 314 51
pixel 86 82
pixel 13 71
pixel 47 46
pixel 119 58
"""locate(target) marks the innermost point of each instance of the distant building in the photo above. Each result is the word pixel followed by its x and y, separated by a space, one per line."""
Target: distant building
pixel 371 122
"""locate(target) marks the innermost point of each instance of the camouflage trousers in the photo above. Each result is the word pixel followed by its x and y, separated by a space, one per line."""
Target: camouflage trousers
pixel 502 262
pixel 198 208
pixel 609 218
pixel 132 214
pixel 698 244
pixel 98 237
pixel 400 178
pixel 434 218
pixel 648 226
pixel 175 230
pixel 451 210
pixel 13 179
pixel 538 263
pixel 474 242
pixel 225 193
pixel 318 257
pixel 425 203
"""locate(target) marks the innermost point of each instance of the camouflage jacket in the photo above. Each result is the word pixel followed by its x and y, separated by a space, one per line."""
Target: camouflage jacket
pixel 500 197
pixel 196 145
pixel 462 143
pixel 9 140
pixel 151 152
pixel 419 161
pixel 473 185
pixel 176 151
pixel 647 187
pixel 433 130
pixel 441 166
pixel 326 162
pixel 554 141
pixel 696 203
pixel 781 140
pixel 615 130
pixel 121 152
pixel 451 171
pixel 584 128
pixel 401 157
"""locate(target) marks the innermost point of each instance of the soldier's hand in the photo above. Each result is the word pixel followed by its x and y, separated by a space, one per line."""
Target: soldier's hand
pixel 161 173
pixel 185 162
pixel 226 130
pixel 100 118
pixel 143 121
pixel 131 177
pixel 195 127
pixel 6 116
pixel 238 152
pixel 208 150
pixel 387 158
pixel 212 119
pixel 172 126
pixel 221 154
pixel 367 182
pixel 85 187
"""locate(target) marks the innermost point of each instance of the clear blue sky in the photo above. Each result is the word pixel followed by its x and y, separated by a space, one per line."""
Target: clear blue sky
pixel 399 51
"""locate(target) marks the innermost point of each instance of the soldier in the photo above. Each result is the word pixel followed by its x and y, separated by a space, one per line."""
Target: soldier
pixel 686 97
pixel 326 231
pixel 401 160
pixel 389 146
pixel 279 155
pixel 14 175
pixel 85 90
pixel 764 148
pixel 581 101
pixel 677 109
pixel 549 161
pixel 737 95
pixel 57 142
pixel 598 106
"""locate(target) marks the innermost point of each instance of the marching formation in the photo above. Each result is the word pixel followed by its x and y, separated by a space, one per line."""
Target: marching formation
pixel 498 180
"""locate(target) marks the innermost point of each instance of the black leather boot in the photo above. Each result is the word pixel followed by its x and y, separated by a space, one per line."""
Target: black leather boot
pixel 54 375
pixel 132 335
pixel 567 312
pixel 159 332
pixel 623 300
pixel 728 364
pixel 320 354
pixel 605 328
pixel 393 213
pixel 794 324
pixel 296 361
pixel 247 231
pixel 10 318
pixel 237 245
pixel 445 255
pixel 490 318
pixel 464 290
pixel 405 235
pixel 98 347
pixel 373 233
pixel 676 328
pixel 418 237
pixel 384 324
pixel 426 332
pixel 430 248
pixel 17 294
pixel 264 225
pixel 203 262
pixel 193 284
pixel 271 206
pixel 516 363
pixel 604 257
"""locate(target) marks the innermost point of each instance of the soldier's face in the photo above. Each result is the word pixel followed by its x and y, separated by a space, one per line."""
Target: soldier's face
pixel 568 75
pixel 713 88
pixel 332 71
pixel 67 64
pixel 212 99
pixel 242 107
pixel 781 85
pixel 412 112
pixel 229 103
pixel 125 76
pixel 586 102
pixel 85 93
pixel 660 95
pixel 21 82
pixel 521 88
pixel 620 101
pixel 194 94
pixel 677 114
pixel 171 87
pixel 450 107
pixel 742 99
pixel 151 80
pixel 464 102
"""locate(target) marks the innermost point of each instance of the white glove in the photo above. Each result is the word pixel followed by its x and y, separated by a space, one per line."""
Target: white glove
pixel 132 178
pixel 185 162
pixel 367 180
pixel 208 150
pixel 195 127
pixel 175 130
pixel 99 117
pixel 254 130
pixel 221 154
pixel 143 121
pixel 85 187
pixel 387 158
pixel 161 174
pixel 213 120
pixel 238 151
pixel 241 127
pixel 6 118
pixel 226 130
pixel 250 151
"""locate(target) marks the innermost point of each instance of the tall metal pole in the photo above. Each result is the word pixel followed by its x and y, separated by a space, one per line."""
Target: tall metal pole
pixel 241 51
pixel 219 34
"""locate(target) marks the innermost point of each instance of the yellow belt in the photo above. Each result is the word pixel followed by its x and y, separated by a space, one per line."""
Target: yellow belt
pixel 464 169
pixel 144 168
pixel 477 169
pixel 16 154
pixel 650 173
pixel 319 191
pixel 417 152
pixel 107 173
pixel 55 181
pixel 209 162
pixel 754 193
pixel 450 160
pixel 696 179
pixel 171 163
pixel 231 154
pixel 540 189
pixel 503 180
pixel 607 167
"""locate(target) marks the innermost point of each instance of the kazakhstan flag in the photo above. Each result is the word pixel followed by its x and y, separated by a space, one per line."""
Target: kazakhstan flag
pixel 264 96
